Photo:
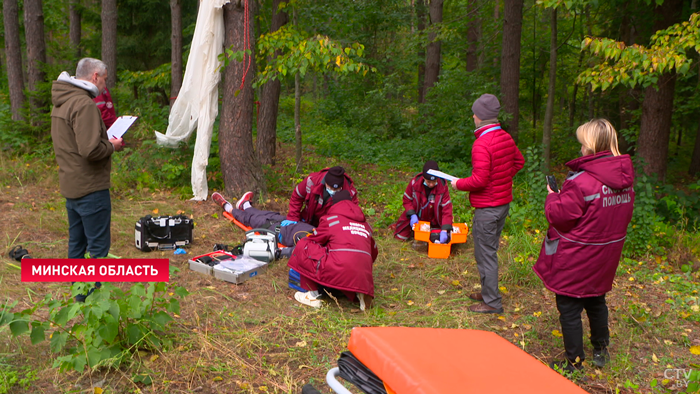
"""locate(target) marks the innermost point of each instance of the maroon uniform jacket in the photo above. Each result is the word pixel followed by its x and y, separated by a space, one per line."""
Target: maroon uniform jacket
pixel 588 225
pixel 307 203
pixel 340 253
pixel 495 161
pixel 434 206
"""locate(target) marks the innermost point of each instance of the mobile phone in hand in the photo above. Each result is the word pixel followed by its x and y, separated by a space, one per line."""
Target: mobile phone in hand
pixel 552 182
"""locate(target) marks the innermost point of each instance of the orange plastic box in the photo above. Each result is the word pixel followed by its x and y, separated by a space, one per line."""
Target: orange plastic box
pixel 421 235
pixel 439 360
pixel 439 251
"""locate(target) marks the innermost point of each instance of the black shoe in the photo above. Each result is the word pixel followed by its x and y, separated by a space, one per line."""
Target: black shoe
pixel 309 389
pixel 18 253
pixel 600 357
pixel 565 367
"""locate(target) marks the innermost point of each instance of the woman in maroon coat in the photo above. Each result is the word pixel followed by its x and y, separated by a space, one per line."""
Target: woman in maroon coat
pixel 426 198
pixel 581 251
pixel 339 254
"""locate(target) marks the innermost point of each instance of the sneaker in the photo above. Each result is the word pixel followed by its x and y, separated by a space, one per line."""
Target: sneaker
pixel 565 367
pixel 247 196
pixel 361 297
pixel 308 299
pixel 600 357
pixel 219 199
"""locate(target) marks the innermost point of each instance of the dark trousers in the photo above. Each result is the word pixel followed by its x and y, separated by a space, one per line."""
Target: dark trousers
pixel 255 218
pixel 570 309
pixel 88 225
pixel 486 233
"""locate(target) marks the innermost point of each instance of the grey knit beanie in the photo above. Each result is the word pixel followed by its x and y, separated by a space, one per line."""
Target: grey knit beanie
pixel 486 107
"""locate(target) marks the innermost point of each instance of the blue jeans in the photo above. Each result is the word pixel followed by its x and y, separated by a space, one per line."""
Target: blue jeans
pixel 89 220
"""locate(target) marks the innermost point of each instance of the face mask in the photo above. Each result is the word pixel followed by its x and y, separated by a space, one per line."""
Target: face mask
pixel 426 185
pixel 330 191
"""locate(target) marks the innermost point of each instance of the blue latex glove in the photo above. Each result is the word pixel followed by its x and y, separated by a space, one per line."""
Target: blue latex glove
pixel 286 223
pixel 443 236
pixel 414 219
pixel 180 251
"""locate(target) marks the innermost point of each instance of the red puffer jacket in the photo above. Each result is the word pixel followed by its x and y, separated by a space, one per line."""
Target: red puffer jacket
pixel 435 207
pixel 306 203
pixel 588 225
pixel 495 161
pixel 340 253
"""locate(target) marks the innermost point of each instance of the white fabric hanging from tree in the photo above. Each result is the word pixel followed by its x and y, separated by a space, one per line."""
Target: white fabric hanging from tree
pixel 197 103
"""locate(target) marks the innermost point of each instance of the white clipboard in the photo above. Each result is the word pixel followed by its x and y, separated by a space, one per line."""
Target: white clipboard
pixel 120 126
pixel 442 175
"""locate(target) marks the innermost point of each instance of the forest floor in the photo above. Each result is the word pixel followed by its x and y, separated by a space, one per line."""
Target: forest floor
pixel 254 338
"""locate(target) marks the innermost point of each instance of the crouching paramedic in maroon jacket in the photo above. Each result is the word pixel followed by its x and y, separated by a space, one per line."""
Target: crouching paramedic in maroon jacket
pixel 581 251
pixel 339 254
pixel 312 198
pixel 426 198
pixel 495 161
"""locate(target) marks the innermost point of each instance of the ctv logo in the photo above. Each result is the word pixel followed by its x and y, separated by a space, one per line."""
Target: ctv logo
pixel 680 375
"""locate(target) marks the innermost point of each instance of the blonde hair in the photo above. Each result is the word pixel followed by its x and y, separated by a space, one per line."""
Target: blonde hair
pixel 598 135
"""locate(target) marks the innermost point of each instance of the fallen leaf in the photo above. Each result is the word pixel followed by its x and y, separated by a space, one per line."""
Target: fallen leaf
pixel 154 357
pixel 97 390
pixel 394 289
pixel 513 325
pixel 536 314
pixel 455 283
pixel 217 378
pixel 695 350
pixel 527 326
pixel 556 333
pixel 656 359
pixel 155 211
pixel 301 344
pixel 502 318
pixel 410 302
pixel 441 292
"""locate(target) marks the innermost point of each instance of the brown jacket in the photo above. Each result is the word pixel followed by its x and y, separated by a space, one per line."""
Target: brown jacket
pixel 83 150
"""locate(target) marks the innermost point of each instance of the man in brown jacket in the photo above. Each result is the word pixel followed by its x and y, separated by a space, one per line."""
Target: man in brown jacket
pixel 84 156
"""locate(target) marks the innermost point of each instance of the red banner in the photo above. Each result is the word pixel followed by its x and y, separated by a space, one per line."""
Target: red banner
pixel 95 270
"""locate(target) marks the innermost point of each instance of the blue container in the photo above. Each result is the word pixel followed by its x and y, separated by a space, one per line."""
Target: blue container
pixel 294 278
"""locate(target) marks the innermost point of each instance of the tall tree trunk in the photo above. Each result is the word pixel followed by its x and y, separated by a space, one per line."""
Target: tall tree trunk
pixel 176 49
pixel 36 50
pixel 239 163
pixel 297 115
pixel 269 101
pixel 432 53
pixel 510 62
pixel 496 19
pixel 572 104
pixel 109 40
pixel 297 122
pixel 694 168
pixel 75 21
pixel 657 107
pixel 655 126
pixel 473 35
pixel 13 54
pixel 421 16
pixel 549 112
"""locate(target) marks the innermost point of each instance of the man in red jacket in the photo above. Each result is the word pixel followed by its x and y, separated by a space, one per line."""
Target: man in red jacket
pixel 495 160
pixel 426 198
pixel 339 254
pixel 312 198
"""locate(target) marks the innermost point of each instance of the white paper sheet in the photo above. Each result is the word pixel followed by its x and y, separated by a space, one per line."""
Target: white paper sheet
pixel 442 175
pixel 120 126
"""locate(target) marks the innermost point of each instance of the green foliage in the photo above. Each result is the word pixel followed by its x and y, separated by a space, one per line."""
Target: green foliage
pixel 106 329
pixel 639 65
pixel 530 192
pixel 646 224
pixel 11 376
